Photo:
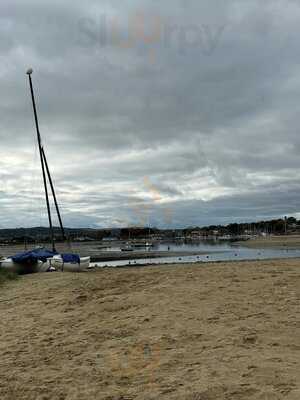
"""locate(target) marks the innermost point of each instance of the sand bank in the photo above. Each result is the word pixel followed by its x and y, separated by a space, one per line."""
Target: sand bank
pixel 279 242
pixel 200 332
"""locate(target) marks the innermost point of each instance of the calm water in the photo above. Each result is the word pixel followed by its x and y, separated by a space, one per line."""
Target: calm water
pixel 213 251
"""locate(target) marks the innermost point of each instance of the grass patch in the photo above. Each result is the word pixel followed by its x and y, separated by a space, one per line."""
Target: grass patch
pixel 6 276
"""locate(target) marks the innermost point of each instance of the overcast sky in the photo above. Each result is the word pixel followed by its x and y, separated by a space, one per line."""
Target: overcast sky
pixel 173 113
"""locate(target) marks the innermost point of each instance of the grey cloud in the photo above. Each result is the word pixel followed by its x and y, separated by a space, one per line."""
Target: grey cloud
pixel 213 125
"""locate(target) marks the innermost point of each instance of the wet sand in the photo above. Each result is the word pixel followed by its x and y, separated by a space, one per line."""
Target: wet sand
pixel 197 332
pixel 278 242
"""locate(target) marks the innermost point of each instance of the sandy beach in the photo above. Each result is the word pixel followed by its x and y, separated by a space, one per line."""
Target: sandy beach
pixel 196 332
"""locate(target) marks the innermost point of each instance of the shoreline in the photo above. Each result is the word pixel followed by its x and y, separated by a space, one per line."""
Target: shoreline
pixel 288 242
pixel 123 256
pixel 198 263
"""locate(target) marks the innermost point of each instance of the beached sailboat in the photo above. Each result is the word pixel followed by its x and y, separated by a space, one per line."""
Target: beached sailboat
pixel 42 260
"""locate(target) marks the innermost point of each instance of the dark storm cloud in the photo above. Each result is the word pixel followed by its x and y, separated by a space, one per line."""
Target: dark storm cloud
pixel 180 113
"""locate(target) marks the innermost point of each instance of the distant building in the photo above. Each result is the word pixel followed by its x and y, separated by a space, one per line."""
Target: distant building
pixel 83 239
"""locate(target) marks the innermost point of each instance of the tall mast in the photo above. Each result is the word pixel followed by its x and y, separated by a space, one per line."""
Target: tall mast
pixel 29 72
pixel 54 195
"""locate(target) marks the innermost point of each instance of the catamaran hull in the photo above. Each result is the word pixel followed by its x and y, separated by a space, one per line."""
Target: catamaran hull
pixel 59 265
pixel 52 264
pixel 9 265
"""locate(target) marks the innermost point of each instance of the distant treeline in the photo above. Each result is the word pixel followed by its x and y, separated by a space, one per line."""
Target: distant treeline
pixel 38 234
pixel 32 235
pixel 275 226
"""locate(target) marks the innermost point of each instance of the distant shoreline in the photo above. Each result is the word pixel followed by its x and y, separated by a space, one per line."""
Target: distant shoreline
pixel 289 242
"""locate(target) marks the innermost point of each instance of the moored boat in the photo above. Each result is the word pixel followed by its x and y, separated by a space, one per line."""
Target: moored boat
pixel 127 247
pixel 142 244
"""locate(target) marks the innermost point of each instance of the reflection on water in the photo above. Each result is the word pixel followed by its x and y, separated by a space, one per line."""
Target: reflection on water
pixel 209 251
pixel 204 245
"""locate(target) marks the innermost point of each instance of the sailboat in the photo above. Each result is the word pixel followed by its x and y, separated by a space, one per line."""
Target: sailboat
pixel 40 259
pixel 128 246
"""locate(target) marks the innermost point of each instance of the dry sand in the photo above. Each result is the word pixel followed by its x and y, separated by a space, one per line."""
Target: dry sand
pixel 279 242
pixel 200 332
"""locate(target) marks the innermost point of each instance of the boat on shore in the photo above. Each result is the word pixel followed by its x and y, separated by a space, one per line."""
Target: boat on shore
pixel 20 269
pixel 40 259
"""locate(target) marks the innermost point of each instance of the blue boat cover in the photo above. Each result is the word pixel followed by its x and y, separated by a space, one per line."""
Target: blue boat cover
pixel 33 256
pixel 71 258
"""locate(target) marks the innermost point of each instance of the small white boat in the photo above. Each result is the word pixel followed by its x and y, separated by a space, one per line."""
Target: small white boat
pixel 142 244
